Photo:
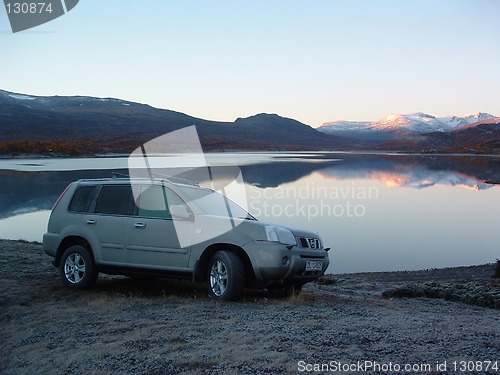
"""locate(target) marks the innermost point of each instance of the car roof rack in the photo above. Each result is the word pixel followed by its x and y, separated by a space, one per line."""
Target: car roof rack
pixel 172 179
pixel 119 175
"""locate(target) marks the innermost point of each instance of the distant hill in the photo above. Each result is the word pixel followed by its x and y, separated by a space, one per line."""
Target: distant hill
pixel 79 125
pixel 482 137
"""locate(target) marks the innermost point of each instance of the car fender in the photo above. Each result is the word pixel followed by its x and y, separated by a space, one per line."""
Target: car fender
pixel 77 230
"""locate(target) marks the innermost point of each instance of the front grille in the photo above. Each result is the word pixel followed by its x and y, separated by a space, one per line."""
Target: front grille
pixel 309 243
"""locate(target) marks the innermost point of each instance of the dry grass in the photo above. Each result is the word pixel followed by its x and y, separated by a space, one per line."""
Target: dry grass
pixel 480 293
pixel 167 327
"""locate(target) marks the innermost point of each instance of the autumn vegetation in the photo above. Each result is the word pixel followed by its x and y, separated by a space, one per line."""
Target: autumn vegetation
pixel 65 147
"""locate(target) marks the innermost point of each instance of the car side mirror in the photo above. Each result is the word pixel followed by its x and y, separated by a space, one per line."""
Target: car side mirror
pixel 179 212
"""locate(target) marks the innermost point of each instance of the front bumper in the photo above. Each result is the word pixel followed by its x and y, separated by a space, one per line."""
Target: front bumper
pixel 273 262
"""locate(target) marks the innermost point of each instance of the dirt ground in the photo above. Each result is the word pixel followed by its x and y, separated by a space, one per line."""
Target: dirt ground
pixel 131 326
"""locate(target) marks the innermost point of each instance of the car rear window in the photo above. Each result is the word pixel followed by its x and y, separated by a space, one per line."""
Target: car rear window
pixel 115 200
pixel 82 199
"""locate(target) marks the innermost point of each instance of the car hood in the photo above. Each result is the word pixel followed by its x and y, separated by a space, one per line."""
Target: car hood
pixel 245 230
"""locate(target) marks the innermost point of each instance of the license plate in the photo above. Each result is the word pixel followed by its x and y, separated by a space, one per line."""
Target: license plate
pixel 314 265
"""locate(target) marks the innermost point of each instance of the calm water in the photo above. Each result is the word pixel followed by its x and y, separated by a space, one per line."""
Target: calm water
pixel 376 212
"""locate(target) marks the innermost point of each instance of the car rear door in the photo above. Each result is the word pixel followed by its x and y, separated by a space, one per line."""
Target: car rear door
pixel 110 222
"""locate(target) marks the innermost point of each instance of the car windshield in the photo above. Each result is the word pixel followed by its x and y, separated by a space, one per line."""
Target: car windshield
pixel 213 203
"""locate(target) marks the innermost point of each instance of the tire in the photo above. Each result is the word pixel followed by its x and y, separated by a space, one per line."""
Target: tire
pixel 226 276
pixel 284 291
pixel 77 269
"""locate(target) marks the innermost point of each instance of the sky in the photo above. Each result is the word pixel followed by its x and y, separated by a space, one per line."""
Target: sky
pixel 312 60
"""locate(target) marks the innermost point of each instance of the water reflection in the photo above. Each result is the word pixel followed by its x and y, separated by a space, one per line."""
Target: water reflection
pixel 371 227
pixel 418 177
pixel 418 171
pixel 28 226
pixel 391 170
pixel 24 191
pixel 377 212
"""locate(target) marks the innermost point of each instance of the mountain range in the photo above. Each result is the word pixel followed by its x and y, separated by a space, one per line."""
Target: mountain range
pixel 80 125
pixel 397 126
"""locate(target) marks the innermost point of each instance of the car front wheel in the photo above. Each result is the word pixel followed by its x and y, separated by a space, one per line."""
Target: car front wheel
pixel 226 276
pixel 77 268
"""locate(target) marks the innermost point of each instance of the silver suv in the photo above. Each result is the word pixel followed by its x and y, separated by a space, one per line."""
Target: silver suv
pixel 160 228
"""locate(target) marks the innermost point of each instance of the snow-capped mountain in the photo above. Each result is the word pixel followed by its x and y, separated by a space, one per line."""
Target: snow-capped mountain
pixel 351 129
pixel 492 120
pixel 345 125
pixel 414 122
pixel 397 125
pixel 456 122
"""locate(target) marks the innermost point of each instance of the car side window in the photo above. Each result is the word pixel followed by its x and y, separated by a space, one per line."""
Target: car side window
pixel 83 199
pixel 154 202
pixel 115 200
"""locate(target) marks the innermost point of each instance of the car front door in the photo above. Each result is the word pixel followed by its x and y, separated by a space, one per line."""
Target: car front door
pixel 153 241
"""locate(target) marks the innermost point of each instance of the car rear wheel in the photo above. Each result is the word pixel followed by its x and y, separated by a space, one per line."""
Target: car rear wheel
pixel 77 268
pixel 226 276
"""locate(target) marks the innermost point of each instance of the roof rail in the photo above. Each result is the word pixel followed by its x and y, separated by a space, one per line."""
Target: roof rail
pixel 176 179
pixel 118 174
pixel 172 179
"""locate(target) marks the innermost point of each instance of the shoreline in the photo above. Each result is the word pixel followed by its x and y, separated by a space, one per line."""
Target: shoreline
pixel 252 151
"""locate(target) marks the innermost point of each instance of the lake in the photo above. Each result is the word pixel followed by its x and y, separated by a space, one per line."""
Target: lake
pixel 377 212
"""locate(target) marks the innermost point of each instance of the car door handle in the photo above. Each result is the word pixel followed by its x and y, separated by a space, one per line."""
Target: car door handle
pixel 90 221
pixel 140 225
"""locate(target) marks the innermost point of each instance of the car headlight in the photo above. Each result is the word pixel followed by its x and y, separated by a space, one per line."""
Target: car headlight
pixel 282 235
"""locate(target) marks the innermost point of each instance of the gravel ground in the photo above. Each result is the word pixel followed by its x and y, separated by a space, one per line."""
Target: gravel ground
pixel 170 327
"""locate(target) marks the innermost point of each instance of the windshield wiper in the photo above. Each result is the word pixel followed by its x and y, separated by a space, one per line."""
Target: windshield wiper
pixel 249 217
